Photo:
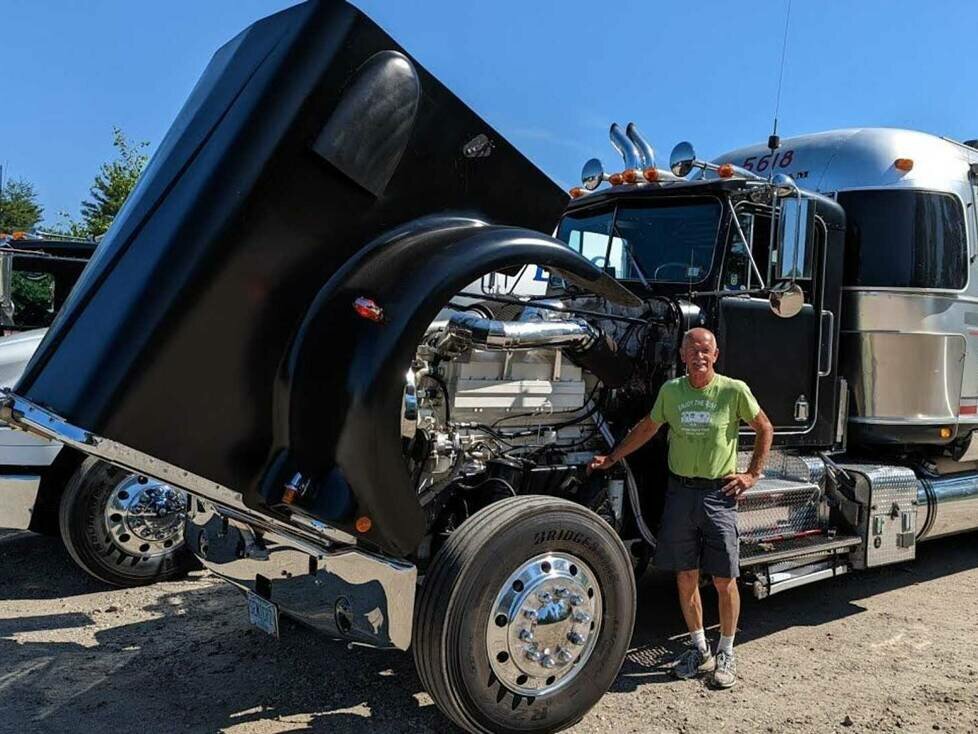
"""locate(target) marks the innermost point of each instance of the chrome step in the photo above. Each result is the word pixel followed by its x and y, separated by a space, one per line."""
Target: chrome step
pixel 769 584
pixel 752 554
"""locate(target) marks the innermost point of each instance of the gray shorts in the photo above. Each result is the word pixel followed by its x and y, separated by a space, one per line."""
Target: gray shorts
pixel 699 529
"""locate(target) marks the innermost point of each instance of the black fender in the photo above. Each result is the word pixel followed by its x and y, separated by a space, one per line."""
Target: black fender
pixel 338 404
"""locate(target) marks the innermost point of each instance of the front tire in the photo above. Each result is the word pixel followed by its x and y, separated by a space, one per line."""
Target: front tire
pixel 525 616
pixel 122 528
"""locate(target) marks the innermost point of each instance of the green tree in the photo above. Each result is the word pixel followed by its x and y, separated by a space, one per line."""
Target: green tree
pixel 19 210
pixel 113 183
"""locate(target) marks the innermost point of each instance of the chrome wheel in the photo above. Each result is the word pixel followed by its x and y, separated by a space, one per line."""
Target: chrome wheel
pixel 544 624
pixel 145 517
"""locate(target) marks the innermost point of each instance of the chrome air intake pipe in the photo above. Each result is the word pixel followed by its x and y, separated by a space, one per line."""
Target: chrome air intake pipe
pixel 585 344
pixel 484 333
pixel 947 505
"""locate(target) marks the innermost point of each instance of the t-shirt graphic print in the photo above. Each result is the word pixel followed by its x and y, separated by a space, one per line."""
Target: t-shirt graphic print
pixel 703 424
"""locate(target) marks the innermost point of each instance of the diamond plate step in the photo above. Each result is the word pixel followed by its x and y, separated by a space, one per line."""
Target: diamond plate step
pixel 752 554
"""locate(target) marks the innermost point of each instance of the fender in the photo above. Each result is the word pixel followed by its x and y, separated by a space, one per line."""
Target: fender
pixel 337 406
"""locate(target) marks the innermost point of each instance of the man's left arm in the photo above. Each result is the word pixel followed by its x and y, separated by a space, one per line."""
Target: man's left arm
pixel 763 435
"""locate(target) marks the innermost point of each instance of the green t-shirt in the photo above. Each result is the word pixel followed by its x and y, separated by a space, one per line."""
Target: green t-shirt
pixel 703 424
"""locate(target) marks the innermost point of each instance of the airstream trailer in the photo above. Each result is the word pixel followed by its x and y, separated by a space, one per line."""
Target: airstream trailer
pixel 308 316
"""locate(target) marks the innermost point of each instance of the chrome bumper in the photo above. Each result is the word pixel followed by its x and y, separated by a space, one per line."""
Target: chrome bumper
pixel 18 493
pixel 345 592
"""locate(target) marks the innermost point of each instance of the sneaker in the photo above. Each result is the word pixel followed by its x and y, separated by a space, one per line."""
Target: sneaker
pixel 693 662
pixel 725 675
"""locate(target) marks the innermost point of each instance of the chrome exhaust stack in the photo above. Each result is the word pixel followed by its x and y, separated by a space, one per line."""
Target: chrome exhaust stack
pixel 645 148
pixel 629 152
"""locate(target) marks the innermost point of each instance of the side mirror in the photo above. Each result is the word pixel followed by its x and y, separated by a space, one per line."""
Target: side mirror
pixel 794 239
pixel 592 174
pixel 787 300
pixel 682 158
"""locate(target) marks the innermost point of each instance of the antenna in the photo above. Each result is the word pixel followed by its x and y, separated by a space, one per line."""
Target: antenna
pixel 774 142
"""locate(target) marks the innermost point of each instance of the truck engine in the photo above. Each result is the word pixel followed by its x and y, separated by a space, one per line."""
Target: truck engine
pixel 508 397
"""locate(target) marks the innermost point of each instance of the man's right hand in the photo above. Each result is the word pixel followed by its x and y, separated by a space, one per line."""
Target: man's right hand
pixel 601 463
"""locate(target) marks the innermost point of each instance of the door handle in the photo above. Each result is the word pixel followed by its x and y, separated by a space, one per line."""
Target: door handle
pixel 825 355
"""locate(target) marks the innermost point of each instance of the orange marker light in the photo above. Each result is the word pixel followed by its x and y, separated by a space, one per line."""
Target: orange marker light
pixel 630 176
pixel 725 170
pixel 368 309
pixel 903 164
pixel 364 524
pixel 615 179
pixel 576 192
pixel 945 432
pixel 651 174
pixel 19 236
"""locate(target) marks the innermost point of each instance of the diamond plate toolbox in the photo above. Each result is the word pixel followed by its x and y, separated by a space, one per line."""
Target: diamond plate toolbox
pixel 890 495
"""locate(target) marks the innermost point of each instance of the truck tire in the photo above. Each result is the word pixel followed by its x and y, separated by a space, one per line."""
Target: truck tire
pixel 122 528
pixel 525 616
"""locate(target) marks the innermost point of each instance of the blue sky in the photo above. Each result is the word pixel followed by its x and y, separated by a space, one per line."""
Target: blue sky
pixel 550 76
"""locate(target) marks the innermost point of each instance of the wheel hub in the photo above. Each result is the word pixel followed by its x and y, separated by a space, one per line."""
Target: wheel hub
pixel 145 517
pixel 544 624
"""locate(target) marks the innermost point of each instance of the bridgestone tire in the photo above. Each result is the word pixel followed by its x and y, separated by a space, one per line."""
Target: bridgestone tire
pixel 87 539
pixel 457 597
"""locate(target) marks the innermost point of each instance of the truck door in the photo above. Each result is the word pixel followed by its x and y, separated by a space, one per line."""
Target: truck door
pixel 777 357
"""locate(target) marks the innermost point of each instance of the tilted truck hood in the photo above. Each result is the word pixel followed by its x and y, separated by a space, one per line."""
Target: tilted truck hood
pixel 308 136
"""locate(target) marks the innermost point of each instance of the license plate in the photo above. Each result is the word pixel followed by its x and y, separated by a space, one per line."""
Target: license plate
pixel 263 614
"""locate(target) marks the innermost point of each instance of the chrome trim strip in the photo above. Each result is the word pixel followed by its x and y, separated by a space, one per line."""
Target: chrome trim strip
pixel 24 415
pixel 18 494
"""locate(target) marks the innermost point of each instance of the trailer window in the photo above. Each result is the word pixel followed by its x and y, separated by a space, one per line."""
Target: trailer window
pixel 904 239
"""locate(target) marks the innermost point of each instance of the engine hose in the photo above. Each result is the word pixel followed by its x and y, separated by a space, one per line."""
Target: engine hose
pixel 633 497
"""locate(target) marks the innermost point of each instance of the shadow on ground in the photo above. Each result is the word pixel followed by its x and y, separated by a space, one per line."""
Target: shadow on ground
pixel 194 664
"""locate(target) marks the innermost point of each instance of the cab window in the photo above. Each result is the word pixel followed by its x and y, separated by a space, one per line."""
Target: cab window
pixel 904 239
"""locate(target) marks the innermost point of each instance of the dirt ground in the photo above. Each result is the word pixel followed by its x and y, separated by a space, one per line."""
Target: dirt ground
pixel 895 648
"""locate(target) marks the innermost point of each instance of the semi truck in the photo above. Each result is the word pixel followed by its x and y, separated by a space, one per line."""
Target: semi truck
pixel 315 316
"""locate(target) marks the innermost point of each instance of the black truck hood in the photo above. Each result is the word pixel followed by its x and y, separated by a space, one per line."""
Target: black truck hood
pixel 309 135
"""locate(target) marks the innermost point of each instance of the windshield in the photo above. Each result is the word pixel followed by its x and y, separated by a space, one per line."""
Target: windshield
pixel 661 242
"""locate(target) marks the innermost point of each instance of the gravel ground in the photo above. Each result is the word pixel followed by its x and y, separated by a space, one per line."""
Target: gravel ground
pixel 890 649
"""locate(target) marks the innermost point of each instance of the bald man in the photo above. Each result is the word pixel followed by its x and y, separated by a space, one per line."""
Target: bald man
pixel 699 521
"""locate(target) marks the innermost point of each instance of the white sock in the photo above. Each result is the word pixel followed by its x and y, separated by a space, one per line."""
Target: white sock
pixel 726 644
pixel 699 639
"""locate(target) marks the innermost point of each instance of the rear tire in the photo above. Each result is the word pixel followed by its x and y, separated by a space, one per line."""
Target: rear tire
pixel 124 529
pixel 541 559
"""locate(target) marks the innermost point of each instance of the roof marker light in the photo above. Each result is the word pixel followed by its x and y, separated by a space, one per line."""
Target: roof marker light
pixel 615 179
pixel 903 164
pixel 368 309
pixel 725 170
pixel 630 175
pixel 651 174
pixel 364 524
pixel 576 192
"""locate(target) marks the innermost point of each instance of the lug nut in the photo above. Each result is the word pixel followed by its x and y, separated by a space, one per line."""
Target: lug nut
pixel 576 600
pixel 526 635
pixel 534 655
pixel 531 614
pixel 548 662
pixel 565 655
pixel 561 592
pixel 545 597
pixel 582 617
pixel 576 637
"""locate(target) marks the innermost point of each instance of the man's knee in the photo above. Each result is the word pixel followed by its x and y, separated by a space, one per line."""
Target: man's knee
pixel 688 579
pixel 725 586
